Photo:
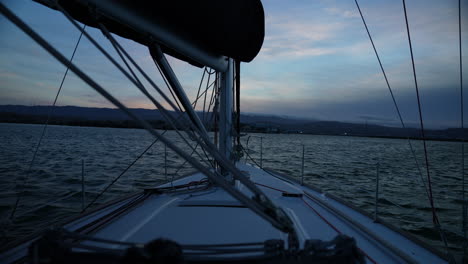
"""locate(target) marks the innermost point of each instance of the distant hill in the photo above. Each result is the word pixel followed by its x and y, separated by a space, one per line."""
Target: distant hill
pixel 107 117
pixel 86 113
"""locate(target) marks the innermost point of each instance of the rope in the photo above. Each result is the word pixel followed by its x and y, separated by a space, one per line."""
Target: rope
pixel 421 122
pixel 319 215
pixel 259 203
pixel 212 98
pixel 464 204
pixel 259 208
pixel 238 116
pixel 262 206
pixel 172 121
pixel 435 218
pixel 141 155
pixel 106 54
pixel 193 121
pixel 214 102
pixel 336 229
pixel 269 187
pixel 21 193
pixel 120 175
pixel 168 86
pixel 393 99
pixel 194 104
pixel 204 100
pixel 196 101
pixel 112 60
pixel 205 91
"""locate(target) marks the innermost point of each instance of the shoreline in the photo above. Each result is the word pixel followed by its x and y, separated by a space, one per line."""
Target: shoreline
pixel 162 126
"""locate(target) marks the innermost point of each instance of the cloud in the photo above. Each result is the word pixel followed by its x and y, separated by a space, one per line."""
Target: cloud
pixel 316 61
pixel 8 75
pixel 287 38
pixel 342 12
pixel 440 109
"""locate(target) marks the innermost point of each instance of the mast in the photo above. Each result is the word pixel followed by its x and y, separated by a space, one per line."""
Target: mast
pixel 225 111
pixel 237 69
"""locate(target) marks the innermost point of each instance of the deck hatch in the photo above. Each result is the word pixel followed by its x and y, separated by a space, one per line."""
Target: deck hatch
pixel 211 203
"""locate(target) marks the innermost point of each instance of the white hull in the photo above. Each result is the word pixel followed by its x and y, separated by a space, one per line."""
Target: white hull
pixel 206 214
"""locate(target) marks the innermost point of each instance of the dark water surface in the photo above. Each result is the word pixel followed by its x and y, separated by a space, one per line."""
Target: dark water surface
pixel 343 166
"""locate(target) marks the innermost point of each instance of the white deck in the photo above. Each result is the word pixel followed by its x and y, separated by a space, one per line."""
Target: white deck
pixel 211 216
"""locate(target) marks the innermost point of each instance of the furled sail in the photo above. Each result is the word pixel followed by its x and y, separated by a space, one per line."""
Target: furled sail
pixel 231 28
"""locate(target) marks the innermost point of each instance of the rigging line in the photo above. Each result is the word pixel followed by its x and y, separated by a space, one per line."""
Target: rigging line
pixel 335 228
pixel 194 104
pixel 464 203
pixel 119 50
pixel 233 101
pixel 262 206
pixel 435 218
pixel 214 102
pixel 266 171
pixel 317 213
pixel 212 71
pixel 259 203
pixel 238 111
pixel 193 121
pixel 205 93
pixel 215 113
pixel 246 150
pixel 168 86
pixel 129 166
pixel 206 144
pixel 113 41
pixel 106 54
pixel 45 127
pixel 205 90
pixel 48 203
pixel 213 97
pixel 210 104
pixel 204 100
pixel 122 58
pixel 214 94
pixel 165 113
pixel 393 99
pixel 421 122
pixel 121 174
pixel 125 73
pixel 185 162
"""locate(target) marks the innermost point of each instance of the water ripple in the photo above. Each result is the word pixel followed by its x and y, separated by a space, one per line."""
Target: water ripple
pixel 343 166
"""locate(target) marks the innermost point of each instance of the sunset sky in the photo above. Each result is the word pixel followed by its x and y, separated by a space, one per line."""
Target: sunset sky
pixel 316 62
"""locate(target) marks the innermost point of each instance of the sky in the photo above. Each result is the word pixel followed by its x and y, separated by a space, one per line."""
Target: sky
pixel 316 62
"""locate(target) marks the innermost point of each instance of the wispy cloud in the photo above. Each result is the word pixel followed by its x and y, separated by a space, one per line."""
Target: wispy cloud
pixel 316 61
pixel 342 12
pixel 288 38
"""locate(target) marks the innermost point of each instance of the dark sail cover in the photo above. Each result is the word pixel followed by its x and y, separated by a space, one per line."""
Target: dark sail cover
pixel 232 28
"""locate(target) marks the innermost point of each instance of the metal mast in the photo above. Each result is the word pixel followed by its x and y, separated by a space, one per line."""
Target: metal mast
pixel 225 112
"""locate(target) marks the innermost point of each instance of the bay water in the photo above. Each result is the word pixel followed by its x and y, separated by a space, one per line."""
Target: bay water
pixel 341 165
